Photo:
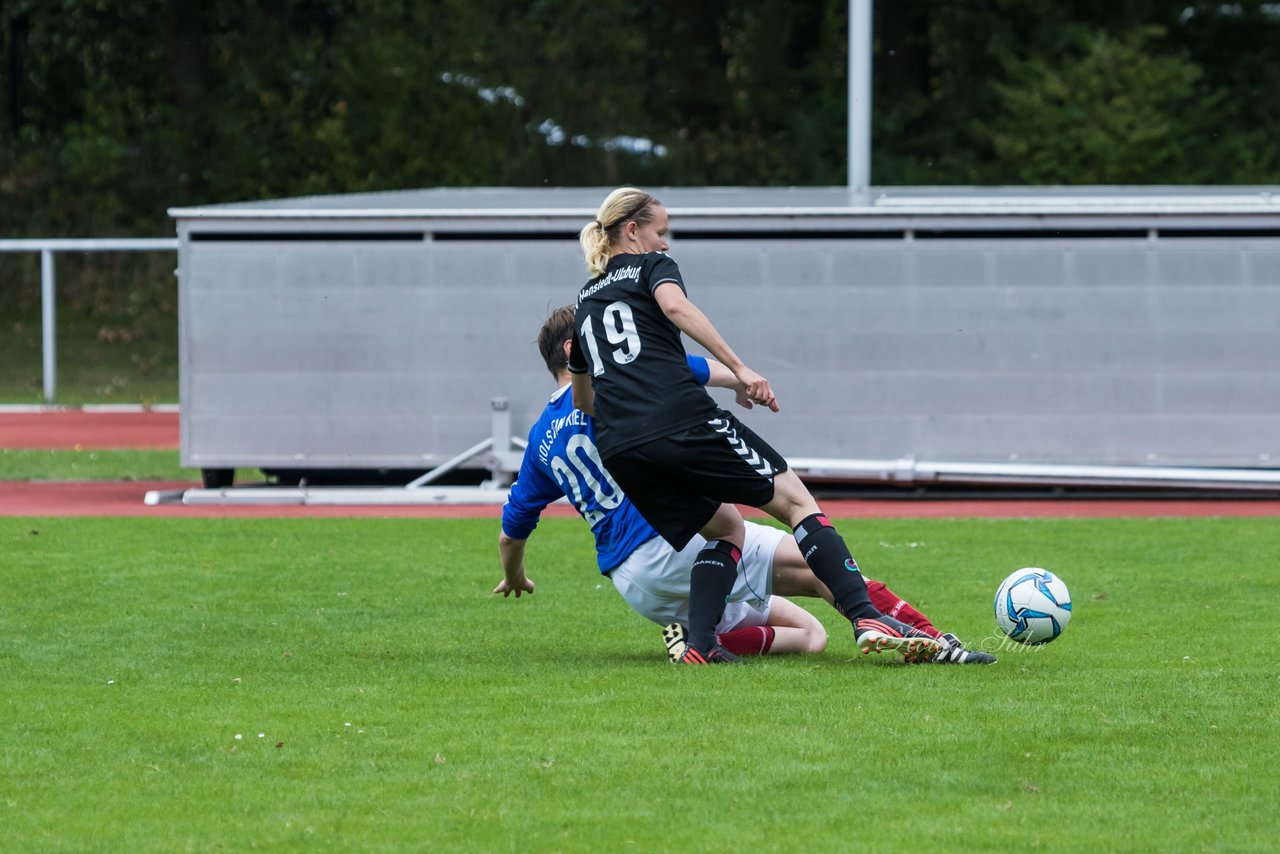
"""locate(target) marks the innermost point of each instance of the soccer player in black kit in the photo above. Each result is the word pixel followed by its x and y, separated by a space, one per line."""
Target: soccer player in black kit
pixel 683 460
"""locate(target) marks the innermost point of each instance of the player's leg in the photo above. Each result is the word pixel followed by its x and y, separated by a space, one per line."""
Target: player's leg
pixel 756 622
pixel 743 629
pixel 792 577
pixel 826 553
pixel 892 605
pixel 652 475
pixel 953 649
pixel 712 578
pixel 725 461
pixel 796 630
pixel 654 581
pixel 781 628
pixel 821 546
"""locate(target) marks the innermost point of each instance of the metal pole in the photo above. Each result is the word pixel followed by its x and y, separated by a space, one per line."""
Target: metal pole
pixel 49 343
pixel 860 41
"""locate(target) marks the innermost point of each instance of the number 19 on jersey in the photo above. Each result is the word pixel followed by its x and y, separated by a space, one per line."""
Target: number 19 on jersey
pixel 619 329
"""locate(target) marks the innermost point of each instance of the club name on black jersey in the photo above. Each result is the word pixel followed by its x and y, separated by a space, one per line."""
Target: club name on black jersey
pixel 643 387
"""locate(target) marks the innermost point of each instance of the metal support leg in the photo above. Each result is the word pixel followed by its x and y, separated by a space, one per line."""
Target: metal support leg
pixel 501 470
pixel 49 343
pixel 502 462
pixel 501 419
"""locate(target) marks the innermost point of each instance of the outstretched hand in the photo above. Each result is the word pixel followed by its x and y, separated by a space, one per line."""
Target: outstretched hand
pixel 519 587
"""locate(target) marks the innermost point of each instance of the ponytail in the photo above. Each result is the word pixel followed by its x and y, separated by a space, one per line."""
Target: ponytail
pixel 621 206
pixel 595 246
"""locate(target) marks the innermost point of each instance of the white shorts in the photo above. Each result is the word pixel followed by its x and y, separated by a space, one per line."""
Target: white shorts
pixel 654 580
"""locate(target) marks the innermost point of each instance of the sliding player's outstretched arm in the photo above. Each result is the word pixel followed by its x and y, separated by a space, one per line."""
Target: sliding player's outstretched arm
pixel 514 579
pixel 527 498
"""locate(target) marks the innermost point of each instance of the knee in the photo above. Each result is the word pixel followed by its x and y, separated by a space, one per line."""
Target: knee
pixel 791 499
pixel 727 528
pixel 816 639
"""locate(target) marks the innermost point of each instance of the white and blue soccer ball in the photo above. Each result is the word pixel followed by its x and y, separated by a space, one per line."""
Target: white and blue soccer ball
pixel 1033 606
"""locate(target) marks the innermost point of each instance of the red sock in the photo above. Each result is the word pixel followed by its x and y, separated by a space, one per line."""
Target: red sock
pixel 749 640
pixel 889 603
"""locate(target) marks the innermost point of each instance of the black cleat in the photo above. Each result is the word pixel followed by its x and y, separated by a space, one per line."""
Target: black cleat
pixel 718 655
pixel 955 653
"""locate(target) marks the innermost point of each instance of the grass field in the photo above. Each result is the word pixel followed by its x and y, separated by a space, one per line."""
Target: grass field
pixel 62 465
pixel 116 335
pixel 36 465
pixel 217 684
pixel 97 362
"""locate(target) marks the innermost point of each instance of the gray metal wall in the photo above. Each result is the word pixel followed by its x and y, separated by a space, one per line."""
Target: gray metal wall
pixel 355 355
pixel 1081 339
pixel 1100 351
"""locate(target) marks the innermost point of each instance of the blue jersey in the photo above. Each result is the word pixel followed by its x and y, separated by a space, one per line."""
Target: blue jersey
pixel 562 460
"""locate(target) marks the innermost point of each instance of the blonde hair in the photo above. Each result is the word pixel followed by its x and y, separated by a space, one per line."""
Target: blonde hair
pixel 620 207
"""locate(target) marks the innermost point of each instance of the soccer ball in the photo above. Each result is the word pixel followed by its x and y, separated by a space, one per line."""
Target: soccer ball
pixel 1033 606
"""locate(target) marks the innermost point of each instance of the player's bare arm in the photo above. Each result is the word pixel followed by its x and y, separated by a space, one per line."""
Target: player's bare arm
pixel 584 395
pixel 690 320
pixel 721 377
pixel 514 581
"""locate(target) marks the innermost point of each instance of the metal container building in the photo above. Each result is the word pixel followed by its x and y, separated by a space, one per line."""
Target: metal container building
pixel 983 327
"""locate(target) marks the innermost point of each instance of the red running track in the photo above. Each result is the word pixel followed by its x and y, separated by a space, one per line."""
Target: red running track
pixel 150 429
pixel 117 498
pixel 99 431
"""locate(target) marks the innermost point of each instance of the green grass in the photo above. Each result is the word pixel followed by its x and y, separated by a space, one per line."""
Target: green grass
pixel 70 465
pixel 402 706
pixel 24 464
pixel 126 360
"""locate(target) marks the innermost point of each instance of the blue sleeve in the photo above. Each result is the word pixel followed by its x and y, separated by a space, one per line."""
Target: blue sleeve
pixel 701 370
pixel 533 490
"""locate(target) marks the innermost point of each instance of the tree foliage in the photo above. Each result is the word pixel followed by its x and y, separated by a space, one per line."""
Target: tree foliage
pixel 1109 112
pixel 112 112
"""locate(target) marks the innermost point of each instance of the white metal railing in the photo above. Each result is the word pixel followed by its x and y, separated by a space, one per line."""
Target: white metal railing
pixel 48 310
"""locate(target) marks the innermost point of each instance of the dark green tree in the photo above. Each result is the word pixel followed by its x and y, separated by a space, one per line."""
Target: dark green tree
pixel 112 112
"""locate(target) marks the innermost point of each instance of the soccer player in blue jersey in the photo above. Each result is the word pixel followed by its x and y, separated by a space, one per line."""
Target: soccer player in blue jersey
pixel 561 460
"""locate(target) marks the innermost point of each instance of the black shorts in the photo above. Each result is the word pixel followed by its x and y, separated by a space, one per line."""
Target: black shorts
pixel 678 482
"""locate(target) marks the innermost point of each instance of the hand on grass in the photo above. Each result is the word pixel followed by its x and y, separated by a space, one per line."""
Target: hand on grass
pixel 520 586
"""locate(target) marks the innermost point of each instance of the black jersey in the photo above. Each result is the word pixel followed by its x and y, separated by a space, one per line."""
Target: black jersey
pixel 643 386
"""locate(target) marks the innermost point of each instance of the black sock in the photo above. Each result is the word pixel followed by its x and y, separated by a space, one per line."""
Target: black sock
pixel 710 584
pixel 827 555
